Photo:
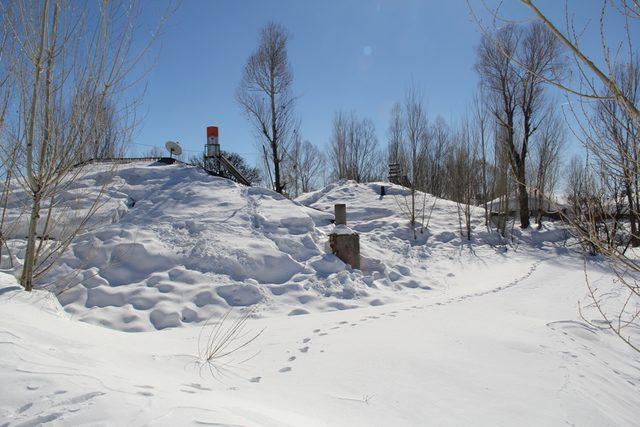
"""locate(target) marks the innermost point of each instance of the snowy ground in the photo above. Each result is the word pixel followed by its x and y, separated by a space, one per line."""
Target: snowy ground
pixel 439 332
pixel 515 355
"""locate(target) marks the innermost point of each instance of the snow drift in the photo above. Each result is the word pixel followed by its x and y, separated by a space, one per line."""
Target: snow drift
pixel 172 246
pixel 486 334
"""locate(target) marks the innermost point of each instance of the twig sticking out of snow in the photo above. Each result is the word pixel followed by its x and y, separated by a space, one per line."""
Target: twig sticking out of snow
pixel 224 339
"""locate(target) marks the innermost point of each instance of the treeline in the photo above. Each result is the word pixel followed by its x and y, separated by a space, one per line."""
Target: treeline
pixel 65 97
pixel 504 153
pixel 508 143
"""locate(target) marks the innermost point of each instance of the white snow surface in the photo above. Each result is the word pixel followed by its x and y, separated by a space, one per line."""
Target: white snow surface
pixel 173 246
pixel 514 354
pixel 433 331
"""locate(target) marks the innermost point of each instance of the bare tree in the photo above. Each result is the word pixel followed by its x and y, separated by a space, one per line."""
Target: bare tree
pixel 72 60
pixel 354 150
pixel 311 162
pixel 481 138
pixel 107 140
pixel 630 11
pixel 339 144
pixel 395 135
pixel 436 153
pixel 515 62
pixel 612 140
pixel 5 64
pixel 463 176
pixel 265 96
pixel 502 184
pixel 416 129
pixel 545 164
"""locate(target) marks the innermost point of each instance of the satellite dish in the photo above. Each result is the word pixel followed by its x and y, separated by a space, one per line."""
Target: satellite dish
pixel 173 147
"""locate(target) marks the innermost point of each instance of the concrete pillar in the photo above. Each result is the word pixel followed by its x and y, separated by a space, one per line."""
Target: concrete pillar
pixel 347 248
pixel 340 210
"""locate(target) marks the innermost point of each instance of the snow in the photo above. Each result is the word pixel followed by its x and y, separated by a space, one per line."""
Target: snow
pixel 436 331
pixel 173 246
pixel 516 354
pixel 341 229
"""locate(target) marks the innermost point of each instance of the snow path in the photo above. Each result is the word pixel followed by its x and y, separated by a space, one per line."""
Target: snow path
pixel 513 354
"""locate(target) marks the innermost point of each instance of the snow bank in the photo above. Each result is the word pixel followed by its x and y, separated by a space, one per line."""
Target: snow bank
pixel 172 246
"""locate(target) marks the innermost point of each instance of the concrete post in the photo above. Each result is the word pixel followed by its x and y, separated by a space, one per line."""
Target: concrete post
pixel 347 248
pixel 340 210
pixel 345 243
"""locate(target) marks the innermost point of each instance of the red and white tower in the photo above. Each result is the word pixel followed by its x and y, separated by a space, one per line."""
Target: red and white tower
pixel 213 146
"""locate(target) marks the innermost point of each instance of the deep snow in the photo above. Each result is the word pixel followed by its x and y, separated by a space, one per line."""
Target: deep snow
pixel 174 246
pixel 440 331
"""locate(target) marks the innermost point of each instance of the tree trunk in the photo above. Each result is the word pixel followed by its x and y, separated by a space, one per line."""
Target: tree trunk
pixel 633 220
pixel 275 141
pixel 26 279
pixel 523 200
pixel 277 184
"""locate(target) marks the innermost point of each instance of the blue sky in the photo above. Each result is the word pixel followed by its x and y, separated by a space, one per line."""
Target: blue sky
pixel 351 55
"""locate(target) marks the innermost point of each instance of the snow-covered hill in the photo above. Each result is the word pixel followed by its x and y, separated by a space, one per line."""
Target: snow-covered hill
pixel 431 331
pixel 174 246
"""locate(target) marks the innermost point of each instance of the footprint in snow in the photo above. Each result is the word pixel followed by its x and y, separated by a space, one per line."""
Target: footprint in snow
pixel 25 407
pixel 306 340
pixel 285 369
pixel 304 349
pixel 255 379
pixel 291 359
pixel 198 386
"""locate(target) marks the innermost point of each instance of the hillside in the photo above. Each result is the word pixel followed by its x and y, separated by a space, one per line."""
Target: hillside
pixel 174 246
pixel 436 330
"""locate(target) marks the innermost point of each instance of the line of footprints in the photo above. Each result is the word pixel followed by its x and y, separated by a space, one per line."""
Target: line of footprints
pixel 306 342
pixel 320 333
